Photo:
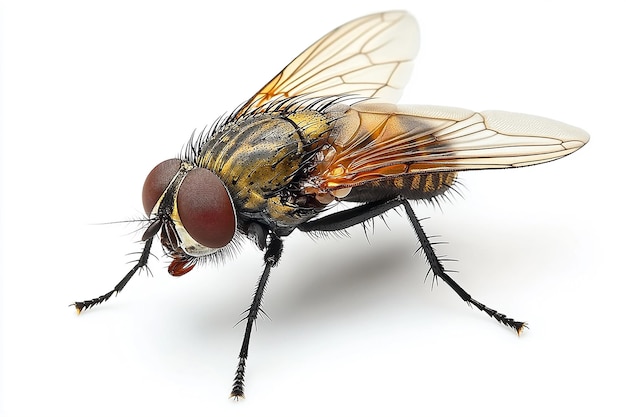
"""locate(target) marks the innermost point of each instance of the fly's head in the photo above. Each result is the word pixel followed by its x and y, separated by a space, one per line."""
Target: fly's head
pixel 193 210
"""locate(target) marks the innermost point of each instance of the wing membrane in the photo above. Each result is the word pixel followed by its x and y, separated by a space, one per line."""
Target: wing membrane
pixel 370 57
pixel 375 141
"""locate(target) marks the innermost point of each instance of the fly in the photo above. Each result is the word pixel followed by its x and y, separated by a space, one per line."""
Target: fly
pixel 327 129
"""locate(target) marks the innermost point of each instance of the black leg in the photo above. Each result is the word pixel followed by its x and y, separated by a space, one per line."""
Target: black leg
pixel 272 255
pixel 439 271
pixel 350 217
pixel 141 263
pixel 359 214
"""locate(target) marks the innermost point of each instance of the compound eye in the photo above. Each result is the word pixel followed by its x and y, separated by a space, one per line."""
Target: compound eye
pixel 157 181
pixel 206 209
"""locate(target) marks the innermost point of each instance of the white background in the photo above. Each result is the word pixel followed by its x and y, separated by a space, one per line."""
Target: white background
pixel 95 94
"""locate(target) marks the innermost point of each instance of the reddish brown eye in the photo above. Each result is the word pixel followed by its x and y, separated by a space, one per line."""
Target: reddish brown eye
pixel 157 181
pixel 205 209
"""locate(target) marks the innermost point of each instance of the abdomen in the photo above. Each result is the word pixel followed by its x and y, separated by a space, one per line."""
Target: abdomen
pixel 413 187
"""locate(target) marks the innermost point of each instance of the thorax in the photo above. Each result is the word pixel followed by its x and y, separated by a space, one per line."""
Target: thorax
pixel 263 159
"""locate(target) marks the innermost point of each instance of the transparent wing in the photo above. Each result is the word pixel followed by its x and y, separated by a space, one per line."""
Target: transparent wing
pixel 375 141
pixel 370 57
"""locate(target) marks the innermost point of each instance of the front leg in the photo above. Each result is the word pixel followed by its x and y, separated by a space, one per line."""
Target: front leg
pixel 141 263
pixel 271 257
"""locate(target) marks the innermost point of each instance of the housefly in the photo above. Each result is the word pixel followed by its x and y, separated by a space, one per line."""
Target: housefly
pixel 327 129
